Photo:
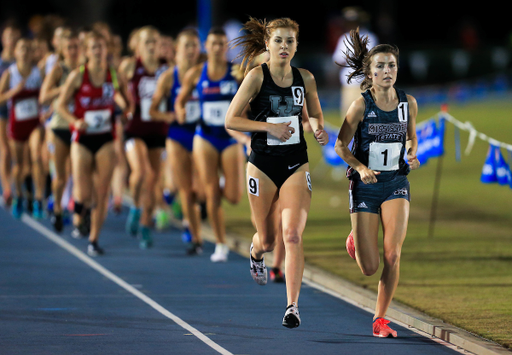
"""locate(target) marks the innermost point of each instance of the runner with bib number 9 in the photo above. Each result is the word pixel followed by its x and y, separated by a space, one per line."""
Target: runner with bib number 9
pixel 279 183
pixel 383 125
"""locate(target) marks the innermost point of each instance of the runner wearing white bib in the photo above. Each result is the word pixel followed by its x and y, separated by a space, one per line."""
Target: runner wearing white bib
pixel 19 88
pixel 383 125
pixel 214 147
pixel 93 88
pixel 278 180
pixel 144 137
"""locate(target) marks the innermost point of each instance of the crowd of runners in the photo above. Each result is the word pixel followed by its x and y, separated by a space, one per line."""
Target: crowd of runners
pixel 85 128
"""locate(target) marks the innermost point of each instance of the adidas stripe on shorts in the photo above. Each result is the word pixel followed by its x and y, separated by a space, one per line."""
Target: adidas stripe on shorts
pixel 369 198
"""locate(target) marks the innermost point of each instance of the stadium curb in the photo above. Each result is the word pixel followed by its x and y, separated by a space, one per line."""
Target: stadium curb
pixel 366 299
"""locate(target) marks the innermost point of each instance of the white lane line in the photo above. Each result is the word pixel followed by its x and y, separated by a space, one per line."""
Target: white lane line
pixel 108 274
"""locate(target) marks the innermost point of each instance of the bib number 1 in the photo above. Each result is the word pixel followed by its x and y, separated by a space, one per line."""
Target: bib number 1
pixel 384 156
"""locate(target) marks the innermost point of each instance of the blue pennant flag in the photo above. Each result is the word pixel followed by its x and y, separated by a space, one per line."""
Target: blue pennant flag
pixel 489 171
pixel 438 140
pixel 330 156
pixel 502 169
pixel 428 141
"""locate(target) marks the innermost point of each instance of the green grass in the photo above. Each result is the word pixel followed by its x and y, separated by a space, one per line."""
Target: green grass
pixel 463 274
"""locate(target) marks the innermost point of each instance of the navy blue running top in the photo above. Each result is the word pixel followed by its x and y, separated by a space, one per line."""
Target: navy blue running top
pixel 379 142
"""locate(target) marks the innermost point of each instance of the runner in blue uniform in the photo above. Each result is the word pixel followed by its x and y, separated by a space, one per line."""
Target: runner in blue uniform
pixel 180 138
pixel 383 125
pixel 215 148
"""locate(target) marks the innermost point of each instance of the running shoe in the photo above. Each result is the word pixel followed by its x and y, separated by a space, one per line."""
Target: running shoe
pixel 351 249
pixel 220 254
pixel 291 317
pixel 186 236
pixel 146 241
pixel 57 222
pixel 17 207
pixel 195 249
pixel 161 219
pixel 258 269
pixel 37 209
pixel 93 249
pixel 381 329
pixel 132 222
pixel 276 275
pixel 80 231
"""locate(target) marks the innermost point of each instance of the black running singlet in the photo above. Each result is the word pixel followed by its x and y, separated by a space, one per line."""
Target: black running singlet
pixel 277 104
pixel 379 142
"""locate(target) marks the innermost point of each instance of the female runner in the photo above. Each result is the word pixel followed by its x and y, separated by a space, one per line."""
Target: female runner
pixel 279 183
pixel 61 135
pixel 383 125
pixel 10 36
pixel 19 87
pixel 93 87
pixel 180 137
pixel 144 137
pixel 214 148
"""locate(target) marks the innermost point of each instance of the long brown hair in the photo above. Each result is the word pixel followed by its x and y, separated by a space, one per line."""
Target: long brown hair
pixel 259 31
pixel 359 58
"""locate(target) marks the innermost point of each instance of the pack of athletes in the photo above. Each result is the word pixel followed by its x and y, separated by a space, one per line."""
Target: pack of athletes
pixel 379 143
pixel 215 98
pixel 184 134
pixel 24 107
pixel 275 104
pixel 96 105
pixel 142 86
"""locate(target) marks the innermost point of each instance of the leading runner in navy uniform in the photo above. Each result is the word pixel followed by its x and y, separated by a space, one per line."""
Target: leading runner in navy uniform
pixel 383 125
pixel 279 183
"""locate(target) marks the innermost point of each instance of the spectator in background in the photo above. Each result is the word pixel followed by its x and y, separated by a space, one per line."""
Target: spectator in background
pixel 167 50
pixel 353 17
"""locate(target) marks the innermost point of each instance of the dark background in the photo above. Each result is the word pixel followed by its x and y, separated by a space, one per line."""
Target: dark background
pixel 435 27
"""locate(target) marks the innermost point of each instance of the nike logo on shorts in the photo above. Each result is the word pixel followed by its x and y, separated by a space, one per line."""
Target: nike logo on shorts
pixel 294 166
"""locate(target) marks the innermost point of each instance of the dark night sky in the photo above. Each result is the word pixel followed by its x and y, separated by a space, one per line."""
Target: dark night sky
pixel 432 23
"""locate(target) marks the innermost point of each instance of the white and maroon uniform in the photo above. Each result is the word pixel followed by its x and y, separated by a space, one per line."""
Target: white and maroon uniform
pixel 142 86
pixel 24 106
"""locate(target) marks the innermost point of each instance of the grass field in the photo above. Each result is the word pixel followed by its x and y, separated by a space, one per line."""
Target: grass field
pixel 463 274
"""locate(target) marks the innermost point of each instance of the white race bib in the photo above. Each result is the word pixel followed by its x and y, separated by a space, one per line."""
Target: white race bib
pixel 214 112
pixel 145 105
pixel 26 109
pixel 98 121
pixel 384 156
pixel 294 139
pixel 193 111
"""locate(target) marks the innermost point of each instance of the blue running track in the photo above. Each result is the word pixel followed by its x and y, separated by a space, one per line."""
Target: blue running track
pixel 56 300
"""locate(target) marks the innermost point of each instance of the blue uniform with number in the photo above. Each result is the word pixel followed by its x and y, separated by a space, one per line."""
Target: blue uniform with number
pixel 215 98
pixel 379 143
pixel 184 133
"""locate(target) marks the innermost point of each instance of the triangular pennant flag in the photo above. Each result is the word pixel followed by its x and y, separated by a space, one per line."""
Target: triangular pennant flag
pixel 489 169
pixel 439 140
pixel 502 168
pixel 426 138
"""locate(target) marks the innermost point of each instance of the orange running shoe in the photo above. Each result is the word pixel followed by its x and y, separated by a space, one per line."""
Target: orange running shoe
pixel 351 249
pixel 381 329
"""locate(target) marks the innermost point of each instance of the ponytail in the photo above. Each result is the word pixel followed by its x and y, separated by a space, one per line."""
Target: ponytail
pixel 359 58
pixel 253 43
pixel 258 32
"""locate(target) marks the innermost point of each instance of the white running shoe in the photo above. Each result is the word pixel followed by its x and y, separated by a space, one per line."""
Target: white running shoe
pixel 258 269
pixel 220 254
pixel 291 317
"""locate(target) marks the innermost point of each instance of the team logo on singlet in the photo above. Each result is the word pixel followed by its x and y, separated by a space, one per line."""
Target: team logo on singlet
pixel 387 131
pixel 284 106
